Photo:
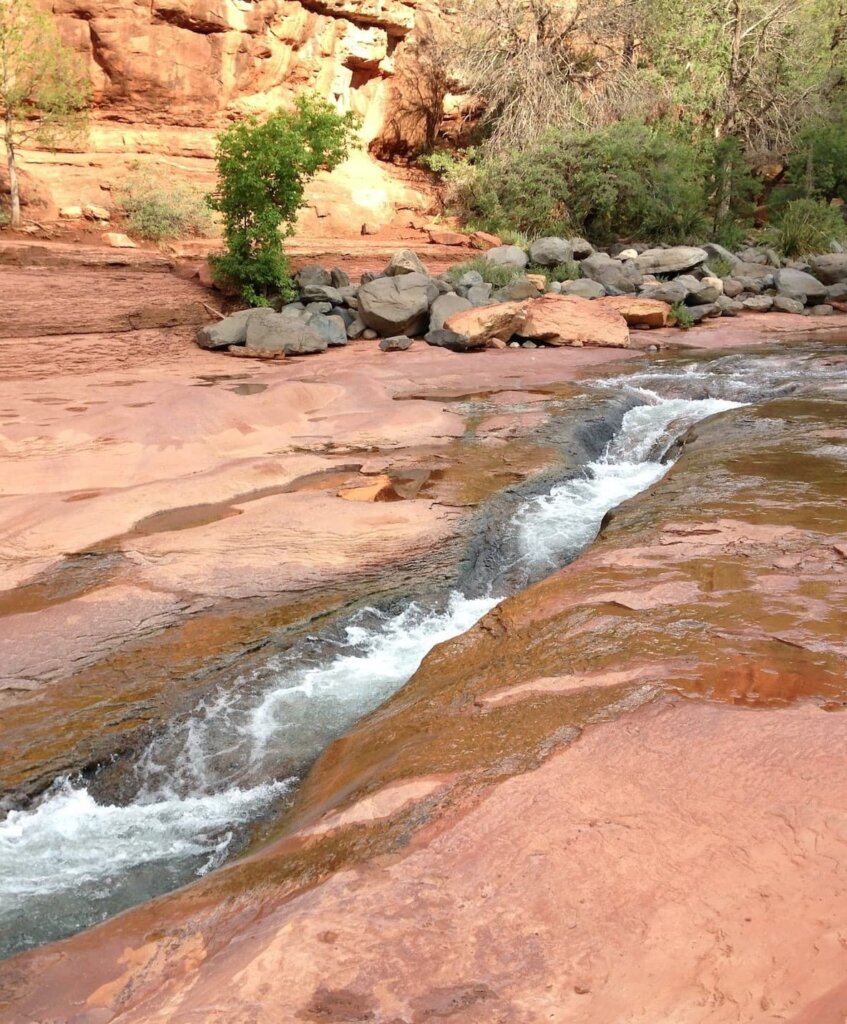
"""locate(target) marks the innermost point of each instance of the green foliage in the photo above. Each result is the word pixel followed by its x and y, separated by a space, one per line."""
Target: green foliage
pixel 159 211
pixel 570 271
pixel 44 91
pixel 628 180
pixel 263 169
pixel 680 316
pixel 720 267
pixel 805 227
pixel 817 166
pixel 496 276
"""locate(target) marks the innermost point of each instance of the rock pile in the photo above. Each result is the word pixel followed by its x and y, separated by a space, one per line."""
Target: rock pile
pixel 634 287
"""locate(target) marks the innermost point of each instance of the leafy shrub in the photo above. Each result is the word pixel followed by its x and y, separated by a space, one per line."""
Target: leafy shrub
pixel 159 210
pixel 720 267
pixel 263 170
pixel 496 276
pixel 817 165
pixel 680 316
pixel 628 180
pixel 570 271
pixel 804 228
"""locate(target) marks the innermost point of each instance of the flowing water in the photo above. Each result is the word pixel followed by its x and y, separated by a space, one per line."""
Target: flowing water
pixel 72 860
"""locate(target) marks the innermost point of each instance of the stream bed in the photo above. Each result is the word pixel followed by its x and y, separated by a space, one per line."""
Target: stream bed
pixel 74 858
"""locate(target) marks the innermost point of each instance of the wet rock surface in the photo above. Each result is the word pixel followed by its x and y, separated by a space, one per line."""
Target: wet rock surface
pixel 634 754
pixel 613 758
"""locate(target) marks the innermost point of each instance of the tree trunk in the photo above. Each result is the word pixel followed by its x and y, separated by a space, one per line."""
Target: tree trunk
pixel 14 186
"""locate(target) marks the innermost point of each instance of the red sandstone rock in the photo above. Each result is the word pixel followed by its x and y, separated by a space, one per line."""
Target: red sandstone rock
pixel 638 312
pixel 569 320
pixel 502 320
pixel 447 237
pixel 380 489
pixel 482 240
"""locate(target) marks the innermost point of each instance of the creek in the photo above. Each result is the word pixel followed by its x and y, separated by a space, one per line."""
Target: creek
pixel 74 857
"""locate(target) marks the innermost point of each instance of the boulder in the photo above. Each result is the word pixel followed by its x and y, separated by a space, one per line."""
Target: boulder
pixel 795 284
pixel 759 254
pixel 728 306
pixel 701 292
pixel 507 256
pixel 404 262
pixel 830 268
pixel 732 288
pixel 570 320
pixel 232 330
pixel 626 254
pixel 670 261
pixel 398 304
pixel 331 328
pixel 668 291
pixel 320 293
pixel 479 294
pixel 612 274
pixel 708 309
pixel 118 240
pixel 483 240
pixel 454 341
pixel 718 252
pixel 70 212
pixel 399 343
pixel 355 329
pixel 523 288
pixel 94 212
pixel 786 304
pixel 758 303
pixel 444 306
pixel 318 307
pixel 581 248
pixel 438 237
pixel 756 271
pixel 638 312
pixel 313 275
pixel 471 278
pixel 822 310
pixel 481 324
pixel 837 292
pixel 343 313
pixel 549 252
pixel 270 333
pixel 584 288
pixel 340 278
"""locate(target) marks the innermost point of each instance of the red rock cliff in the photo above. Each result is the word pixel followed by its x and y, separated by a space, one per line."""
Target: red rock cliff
pixel 167 74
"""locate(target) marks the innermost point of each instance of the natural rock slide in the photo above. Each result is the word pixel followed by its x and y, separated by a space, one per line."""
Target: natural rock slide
pixel 619 796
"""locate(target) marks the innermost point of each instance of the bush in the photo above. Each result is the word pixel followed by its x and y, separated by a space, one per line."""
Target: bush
pixel 263 170
pixel 496 276
pixel 817 167
pixel 625 181
pixel 805 227
pixel 159 211
pixel 720 267
pixel 562 272
pixel 680 316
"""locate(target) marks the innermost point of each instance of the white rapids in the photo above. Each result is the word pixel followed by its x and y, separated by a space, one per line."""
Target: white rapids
pixel 73 858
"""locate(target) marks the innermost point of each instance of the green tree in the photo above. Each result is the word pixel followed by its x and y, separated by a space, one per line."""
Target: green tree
pixel 263 170
pixel 44 91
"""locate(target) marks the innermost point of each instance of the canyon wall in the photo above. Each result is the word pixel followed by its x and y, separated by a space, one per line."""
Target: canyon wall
pixel 168 74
